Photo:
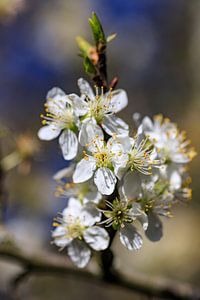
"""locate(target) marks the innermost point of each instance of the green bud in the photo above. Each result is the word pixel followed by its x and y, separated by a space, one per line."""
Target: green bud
pixel 83 45
pixel 97 29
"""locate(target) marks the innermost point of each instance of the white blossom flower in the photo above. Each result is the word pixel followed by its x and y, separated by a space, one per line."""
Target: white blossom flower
pixel 85 192
pixel 142 156
pixel 102 162
pixel 76 230
pixel 157 196
pixel 101 107
pixel 172 144
pixel 154 198
pixel 121 216
pixel 62 120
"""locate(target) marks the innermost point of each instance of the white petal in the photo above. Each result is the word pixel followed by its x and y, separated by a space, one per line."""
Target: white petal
pixel 120 165
pixel 120 157
pixel 79 105
pixel 137 213
pixel 90 215
pixel 119 172
pixel 79 253
pixel 84 169
pixel 137 118
pixel 140 135
pixel 143 219
pixel 59 236
pixel 115 146
pixel 154 231
pixel 72 210
pixel 105 181
pixel 130 238
pixel 111 124
pixel 55 93
pixel 85 88
pixel 119 100
pixel 126 141
pixel 69 144
pixel 180 158
pixel 175 180
pixel 93 196
pixel 97 238
pixel 56 100
pixel 64 173
pixel 131 186
pixel 49 132
pixel 147 124
pixel 89 131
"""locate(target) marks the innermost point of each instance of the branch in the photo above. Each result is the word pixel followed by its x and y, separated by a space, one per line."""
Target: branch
pixel 53 264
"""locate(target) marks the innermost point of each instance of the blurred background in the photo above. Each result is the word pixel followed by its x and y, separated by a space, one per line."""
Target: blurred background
pixel 157 58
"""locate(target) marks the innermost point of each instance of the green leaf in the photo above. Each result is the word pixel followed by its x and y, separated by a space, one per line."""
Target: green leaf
pixel 111 37
pixel 88 66
pixel 97 29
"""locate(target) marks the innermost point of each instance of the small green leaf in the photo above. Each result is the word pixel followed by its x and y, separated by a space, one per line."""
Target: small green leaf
pixel 97 29
pixel 111 37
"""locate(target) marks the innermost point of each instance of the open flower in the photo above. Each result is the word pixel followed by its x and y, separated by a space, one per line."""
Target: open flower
pixel 172 144
pixel 154 197
pixel 142 156
pixel 76 230
pixel 121 216
pixel 101 107
pixel 101 162
pixel 60 117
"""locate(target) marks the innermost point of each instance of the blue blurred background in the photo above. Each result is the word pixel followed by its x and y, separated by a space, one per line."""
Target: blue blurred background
pixel 157 58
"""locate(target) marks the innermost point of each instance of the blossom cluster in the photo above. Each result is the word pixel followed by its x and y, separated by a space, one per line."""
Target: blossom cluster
pixel 114 178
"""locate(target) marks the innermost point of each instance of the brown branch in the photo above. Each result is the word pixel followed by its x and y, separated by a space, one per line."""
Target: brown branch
pixel 54 264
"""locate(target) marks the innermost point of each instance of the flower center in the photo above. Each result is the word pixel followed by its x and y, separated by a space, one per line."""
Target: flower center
pixel 140 161
pixel 103 158
pixel 99 107
pixel 118 215
pixel 62 117
pixel 75 230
